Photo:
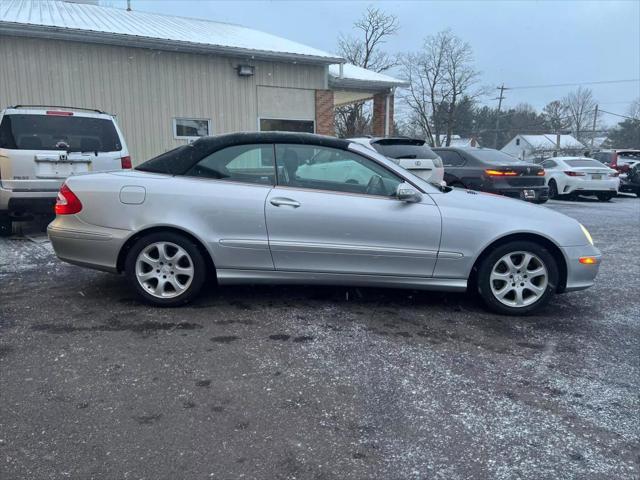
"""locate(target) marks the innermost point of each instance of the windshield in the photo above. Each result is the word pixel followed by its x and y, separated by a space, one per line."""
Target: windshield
pixel 52 132
pixel 630 155
pixel 584 162
pixel 489 155
pixel 404 149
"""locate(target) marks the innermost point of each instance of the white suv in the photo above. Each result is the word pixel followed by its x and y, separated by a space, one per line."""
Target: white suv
pixel 41 146
pixel 412 154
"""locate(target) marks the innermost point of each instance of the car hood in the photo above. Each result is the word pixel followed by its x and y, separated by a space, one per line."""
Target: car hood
pixel 486 217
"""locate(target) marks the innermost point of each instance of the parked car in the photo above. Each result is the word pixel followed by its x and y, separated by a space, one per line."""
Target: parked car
pixel 41 146
pixel 411 153
pixel 493 171
pixel 241 206
pixel 569 176
pixel 621 160
pixel 630 182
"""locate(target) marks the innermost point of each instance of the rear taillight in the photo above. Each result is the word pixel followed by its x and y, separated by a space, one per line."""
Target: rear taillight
pixel 614 174
pixel 614 160
pixel 125 162
pixel 574 174
pixel 59 113
pixel 67 202
pixel 500 173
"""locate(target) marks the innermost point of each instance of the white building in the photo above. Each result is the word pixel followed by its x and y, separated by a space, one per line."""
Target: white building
pixel 534 148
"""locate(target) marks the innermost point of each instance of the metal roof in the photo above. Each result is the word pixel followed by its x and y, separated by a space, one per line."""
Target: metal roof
pixel 113 26
pixel 358 78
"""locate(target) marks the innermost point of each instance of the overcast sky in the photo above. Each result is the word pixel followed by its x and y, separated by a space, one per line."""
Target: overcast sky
pixel 520 43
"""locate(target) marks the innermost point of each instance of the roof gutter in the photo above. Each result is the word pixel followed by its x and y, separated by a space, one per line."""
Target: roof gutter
pixel 135 41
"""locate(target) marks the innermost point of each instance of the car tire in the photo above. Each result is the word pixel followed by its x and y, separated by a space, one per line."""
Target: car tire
pixel 533 272
pixel 166 269
pixel 6 226
pixel 604 197
pixel 553 190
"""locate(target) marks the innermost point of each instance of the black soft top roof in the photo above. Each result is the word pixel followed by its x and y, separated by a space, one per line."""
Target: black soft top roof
pixel 181 159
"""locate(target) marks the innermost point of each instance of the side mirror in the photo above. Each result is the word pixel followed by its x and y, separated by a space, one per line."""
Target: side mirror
pixel 407 193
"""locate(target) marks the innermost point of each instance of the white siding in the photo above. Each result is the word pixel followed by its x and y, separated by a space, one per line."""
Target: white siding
pixel 146 89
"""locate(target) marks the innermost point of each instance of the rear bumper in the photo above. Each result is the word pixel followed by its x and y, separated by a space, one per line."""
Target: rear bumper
pixel 541 192
pixel 592 186
pixel 28 202
pixel 86 245
pixel 580 276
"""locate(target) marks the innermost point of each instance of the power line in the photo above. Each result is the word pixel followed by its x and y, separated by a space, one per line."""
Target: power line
pixel 618 115
pixel 601 82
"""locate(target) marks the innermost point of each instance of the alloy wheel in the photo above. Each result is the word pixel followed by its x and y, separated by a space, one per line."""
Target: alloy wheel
pixel 519 279
pixel 164 269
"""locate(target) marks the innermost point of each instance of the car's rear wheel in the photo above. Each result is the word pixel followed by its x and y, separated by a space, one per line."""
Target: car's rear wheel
pixel 165 268
pixel 5 225
pixel 517 278
pixel 604 197
pixel 553 189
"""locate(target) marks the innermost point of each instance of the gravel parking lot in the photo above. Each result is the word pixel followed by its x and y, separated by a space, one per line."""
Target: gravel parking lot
pixel 322 383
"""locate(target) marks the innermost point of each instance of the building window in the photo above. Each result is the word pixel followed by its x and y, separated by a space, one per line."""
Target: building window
pixel 281 125
pixel 190 128
pixel 517 141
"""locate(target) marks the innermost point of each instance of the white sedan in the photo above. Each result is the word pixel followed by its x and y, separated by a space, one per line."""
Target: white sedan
pixel 580 176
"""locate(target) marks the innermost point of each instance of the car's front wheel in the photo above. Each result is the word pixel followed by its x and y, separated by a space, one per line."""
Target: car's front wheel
pixel 165 268
pixel 517 278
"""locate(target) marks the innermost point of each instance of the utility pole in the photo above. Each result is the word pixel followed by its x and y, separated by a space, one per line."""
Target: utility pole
pixel 593 128
pixel 502 88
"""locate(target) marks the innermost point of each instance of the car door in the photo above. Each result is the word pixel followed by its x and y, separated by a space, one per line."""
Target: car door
pixel 226 191
pixel 334 211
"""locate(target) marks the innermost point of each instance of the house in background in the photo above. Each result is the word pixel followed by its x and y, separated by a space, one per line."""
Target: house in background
pixel 535 148
pixel 458 141
pixel 170 80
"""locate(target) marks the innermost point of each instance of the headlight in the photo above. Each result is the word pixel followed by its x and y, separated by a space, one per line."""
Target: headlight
pixel 586 234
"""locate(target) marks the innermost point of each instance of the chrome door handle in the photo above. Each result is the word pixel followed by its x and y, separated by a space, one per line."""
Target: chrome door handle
pixel 279 201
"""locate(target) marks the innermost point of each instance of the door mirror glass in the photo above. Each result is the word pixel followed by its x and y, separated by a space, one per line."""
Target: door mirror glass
pixel 407 193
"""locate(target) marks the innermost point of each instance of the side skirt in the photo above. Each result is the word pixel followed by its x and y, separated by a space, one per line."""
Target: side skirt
pixel 236 277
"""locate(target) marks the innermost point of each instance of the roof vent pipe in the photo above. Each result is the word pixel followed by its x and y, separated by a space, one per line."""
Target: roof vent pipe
pixel 128 5
pixel 342 70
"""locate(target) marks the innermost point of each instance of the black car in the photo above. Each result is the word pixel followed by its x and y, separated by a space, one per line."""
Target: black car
pixel 489 170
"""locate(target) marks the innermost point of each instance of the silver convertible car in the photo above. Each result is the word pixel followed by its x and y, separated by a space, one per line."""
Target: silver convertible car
pixel 272 208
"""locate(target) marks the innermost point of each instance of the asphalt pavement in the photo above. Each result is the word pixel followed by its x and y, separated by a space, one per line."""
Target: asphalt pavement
pixel 318 383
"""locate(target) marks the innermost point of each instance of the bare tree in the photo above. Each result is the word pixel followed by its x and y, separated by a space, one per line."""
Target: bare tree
pixel 581 107
pixel 634 109
pixel 556 116
pixel 365 51
pixel 439 76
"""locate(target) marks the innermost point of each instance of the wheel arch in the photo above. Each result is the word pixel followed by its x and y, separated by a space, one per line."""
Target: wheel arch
pixel 122 255
pixel 555 251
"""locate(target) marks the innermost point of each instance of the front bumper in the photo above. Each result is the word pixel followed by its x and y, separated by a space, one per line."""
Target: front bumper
pixel 580 276
pixel 79 243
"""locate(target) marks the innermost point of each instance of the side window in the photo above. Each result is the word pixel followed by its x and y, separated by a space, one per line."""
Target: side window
pixel 450 158
pixel 323 168
pixel 549 164
pixel 241 163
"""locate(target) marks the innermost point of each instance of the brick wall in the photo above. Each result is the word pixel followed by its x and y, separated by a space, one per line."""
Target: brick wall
pixel 380 114
pixel 324 112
